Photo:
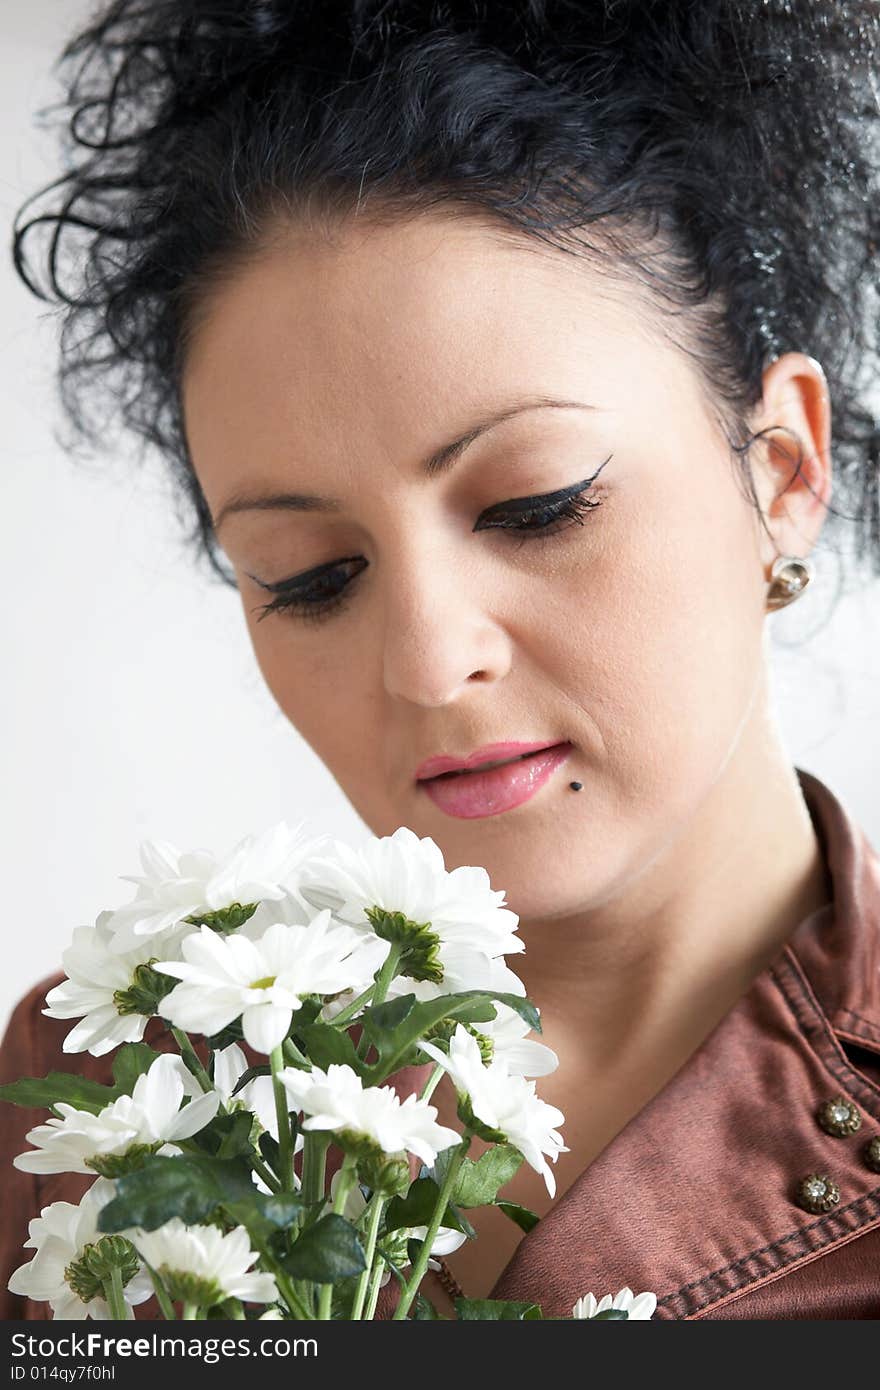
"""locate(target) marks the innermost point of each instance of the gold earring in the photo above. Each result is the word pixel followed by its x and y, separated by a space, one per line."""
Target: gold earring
pixel 789 577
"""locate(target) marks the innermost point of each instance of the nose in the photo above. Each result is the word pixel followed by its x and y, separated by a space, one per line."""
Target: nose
pixel 441 633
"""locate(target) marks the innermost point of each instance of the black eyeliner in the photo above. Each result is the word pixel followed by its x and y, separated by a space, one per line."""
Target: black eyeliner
pixel 544 499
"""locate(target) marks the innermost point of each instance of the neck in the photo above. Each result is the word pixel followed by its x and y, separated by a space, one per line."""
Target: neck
pixel 684 938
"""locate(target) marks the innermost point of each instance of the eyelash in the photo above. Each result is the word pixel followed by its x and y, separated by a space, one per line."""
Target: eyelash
pixel 571 507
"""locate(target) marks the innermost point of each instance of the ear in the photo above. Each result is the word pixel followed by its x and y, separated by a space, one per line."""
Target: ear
pixel 791 464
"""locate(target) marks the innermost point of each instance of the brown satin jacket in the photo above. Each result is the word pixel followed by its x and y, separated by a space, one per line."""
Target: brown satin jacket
pixel 696 1199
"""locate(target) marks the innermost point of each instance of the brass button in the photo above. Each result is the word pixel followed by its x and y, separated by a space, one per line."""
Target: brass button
pixel 839 1117
pixel 817 1192
pixel 871 1153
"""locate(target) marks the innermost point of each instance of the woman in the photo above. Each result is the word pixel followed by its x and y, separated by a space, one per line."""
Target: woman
pixel 400 288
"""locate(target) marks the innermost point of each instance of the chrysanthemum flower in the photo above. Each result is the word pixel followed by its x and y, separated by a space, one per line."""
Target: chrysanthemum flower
pixel 504 1103
pixel 337 1100
pixel 147 1120
pixel 175 886
pixel 69 1248
pixel 102 985
pixel 639 1306
pixel 455 911
pixel 202 1265
pixel 261 981
pixel 522 1055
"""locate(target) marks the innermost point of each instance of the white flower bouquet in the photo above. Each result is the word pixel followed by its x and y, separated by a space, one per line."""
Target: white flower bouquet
pixel 337 968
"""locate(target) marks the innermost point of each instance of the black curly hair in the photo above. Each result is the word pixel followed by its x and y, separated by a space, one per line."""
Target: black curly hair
pixel 726 153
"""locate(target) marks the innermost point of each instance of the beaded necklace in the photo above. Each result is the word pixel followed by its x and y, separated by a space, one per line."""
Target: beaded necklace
pixel 448 1279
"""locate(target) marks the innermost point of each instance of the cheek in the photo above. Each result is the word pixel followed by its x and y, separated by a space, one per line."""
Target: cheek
pixel 310 677
pixel 663 652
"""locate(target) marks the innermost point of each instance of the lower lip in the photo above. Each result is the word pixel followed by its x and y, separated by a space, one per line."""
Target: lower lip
pixel 475 794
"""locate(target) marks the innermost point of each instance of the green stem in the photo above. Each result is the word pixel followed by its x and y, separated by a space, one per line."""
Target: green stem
pixel 421 1264
pixel 347 1180
pixel 431 1083
pixel 233 1309
pixel 354 1007
pixel 373 1298
pixel 377 1203
pixel 387 973
pixel 115 1297
pixel 190 1056
pixel 161 1295
pixel 285 1145
pixel 315 1145
pixel 290 1296
pixel 383 979
pixel 190 1311
pixel 264 1172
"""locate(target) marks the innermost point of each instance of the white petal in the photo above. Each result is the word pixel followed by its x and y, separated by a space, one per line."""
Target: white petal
pixel 230 1065
pixel 194 1116
pixel 265 1026
pixel 643 1306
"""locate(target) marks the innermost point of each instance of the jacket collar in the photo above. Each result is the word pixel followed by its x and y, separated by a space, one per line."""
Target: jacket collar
pixel 838 947
pixel 695 1198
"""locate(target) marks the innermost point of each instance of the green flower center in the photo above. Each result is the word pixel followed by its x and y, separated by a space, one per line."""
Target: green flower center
pixel 265 983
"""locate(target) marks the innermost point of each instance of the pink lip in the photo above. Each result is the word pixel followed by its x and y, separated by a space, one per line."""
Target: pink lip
pixel 433 767
pixel 476 794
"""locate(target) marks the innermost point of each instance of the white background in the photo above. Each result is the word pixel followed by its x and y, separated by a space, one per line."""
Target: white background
pixel 131 706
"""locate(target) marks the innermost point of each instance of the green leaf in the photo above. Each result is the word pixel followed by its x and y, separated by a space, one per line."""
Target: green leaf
pixel 453 1216
pixel 327 1251
pixel 478 1180
pixel 495 1310
pixel 610 1315
pixel 525 1219
pixel 44 1092
pixel 424 1310
pixel 249 1075
pixel 263 1214
pixel 388 1015
pixel 270 1151
pixel 130 1062
pixel 308 1011
pixel 227 1136
pixel 396 1026
pixel 191 1186
pixel 417 1208
pixel 325 1044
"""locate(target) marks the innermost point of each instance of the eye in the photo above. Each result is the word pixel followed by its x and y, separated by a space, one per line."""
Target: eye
pixel 319 592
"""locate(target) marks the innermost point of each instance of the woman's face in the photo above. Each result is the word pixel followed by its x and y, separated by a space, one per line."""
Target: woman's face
pixel 336 368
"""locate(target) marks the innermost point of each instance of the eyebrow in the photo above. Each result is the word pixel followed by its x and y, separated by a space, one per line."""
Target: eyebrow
pixel 440 461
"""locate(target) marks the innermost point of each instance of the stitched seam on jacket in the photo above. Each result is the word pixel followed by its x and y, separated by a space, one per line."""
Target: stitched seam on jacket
pixel 800 998
pixel 790 1260
pixel 798 994
pixel 872 1198
pixel 871 1027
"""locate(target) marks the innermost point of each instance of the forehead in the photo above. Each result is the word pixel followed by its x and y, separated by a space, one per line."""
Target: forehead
pixel 387 335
